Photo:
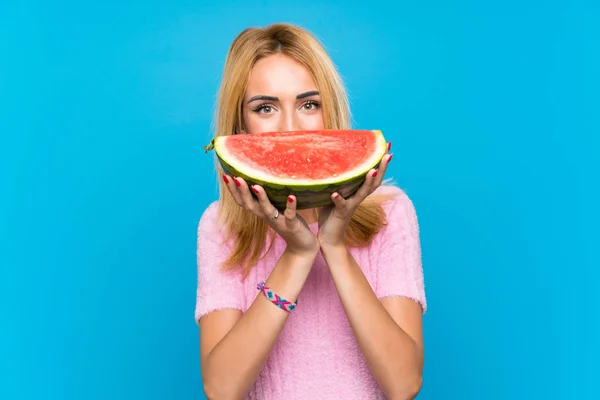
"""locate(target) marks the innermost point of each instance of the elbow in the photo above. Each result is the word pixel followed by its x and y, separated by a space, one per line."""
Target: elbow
pixel 211 391
pixel 214 388
pixel 409 390
pixel 214 391
pixel 218 390
pixel 416 387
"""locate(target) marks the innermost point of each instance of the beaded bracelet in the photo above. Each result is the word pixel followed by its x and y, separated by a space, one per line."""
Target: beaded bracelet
pixel 275 299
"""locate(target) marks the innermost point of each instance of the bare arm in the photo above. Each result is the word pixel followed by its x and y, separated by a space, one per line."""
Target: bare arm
pixel 388 332
pixel 235 347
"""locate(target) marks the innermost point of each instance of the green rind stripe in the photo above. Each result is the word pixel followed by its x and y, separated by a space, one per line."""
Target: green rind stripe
pixel 306 197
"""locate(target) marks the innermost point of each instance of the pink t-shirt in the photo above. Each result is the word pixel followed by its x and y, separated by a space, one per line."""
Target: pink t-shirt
pixel 316 355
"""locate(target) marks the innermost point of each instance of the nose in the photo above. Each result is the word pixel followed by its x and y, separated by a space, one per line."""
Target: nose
pixel 290 121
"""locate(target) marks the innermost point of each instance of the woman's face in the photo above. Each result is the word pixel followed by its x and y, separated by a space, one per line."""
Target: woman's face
pixel 281 96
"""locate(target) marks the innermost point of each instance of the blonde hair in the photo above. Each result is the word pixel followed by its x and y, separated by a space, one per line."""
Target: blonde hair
pixel 249 46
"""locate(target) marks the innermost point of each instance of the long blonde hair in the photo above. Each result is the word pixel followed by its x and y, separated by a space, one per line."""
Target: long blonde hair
pixel 250 232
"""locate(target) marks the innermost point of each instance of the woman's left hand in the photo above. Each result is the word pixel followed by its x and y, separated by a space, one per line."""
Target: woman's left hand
pixel 334 220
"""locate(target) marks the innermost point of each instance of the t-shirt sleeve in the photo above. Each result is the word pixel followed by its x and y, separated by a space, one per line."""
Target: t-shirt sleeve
pixel 399 267
pixel 217 288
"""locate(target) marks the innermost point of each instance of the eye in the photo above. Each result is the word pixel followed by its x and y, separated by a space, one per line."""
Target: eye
pixel 311 105
pixel 263 109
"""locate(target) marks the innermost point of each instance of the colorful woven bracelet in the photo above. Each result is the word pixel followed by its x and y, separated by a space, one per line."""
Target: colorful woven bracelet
pixel 275 299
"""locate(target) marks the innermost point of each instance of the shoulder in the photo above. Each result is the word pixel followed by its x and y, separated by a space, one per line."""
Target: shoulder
pixel 211 230
pixel 212 243
pixel 209 220
pixel 395 202
pixel 400 214
pixel 397 249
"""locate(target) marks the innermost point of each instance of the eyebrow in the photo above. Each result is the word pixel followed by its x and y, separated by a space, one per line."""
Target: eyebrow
pixel 273 98
pixel 307 94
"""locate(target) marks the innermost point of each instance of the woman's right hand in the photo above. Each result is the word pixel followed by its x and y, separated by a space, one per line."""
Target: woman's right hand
pixel 289 225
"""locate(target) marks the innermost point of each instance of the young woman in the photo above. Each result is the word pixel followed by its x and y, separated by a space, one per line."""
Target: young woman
pixel 354 269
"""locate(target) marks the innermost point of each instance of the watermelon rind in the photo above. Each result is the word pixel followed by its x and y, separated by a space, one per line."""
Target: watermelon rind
pixel 308 193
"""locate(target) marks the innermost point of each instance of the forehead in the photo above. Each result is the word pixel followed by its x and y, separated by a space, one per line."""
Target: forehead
pixel 279 75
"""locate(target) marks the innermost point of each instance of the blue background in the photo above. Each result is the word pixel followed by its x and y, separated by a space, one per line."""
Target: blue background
pixel 493 109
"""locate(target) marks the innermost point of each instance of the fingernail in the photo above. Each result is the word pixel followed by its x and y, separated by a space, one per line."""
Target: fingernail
pixel 374 174
pixel 225 178
pixel 390 159
pixel 389 145
pixel 290 199
pixel 255 190
pixel 237 182
pixel 335 196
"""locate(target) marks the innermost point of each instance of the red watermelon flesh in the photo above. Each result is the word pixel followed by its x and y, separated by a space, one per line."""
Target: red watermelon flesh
pixel 304 156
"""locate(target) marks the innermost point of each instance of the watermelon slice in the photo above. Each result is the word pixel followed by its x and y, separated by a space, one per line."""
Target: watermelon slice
pixel 308 164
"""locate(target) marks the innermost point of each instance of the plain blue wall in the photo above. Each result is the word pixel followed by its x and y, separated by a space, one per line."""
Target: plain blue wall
pixel 105 106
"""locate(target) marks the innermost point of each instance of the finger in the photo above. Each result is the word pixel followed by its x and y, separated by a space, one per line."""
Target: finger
pixel 340 204
pixel 367 187
pixel 374 177
pixel 381 170
pixel 233 189
pixel 267 209
pixel 249 202
pixel 290 209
